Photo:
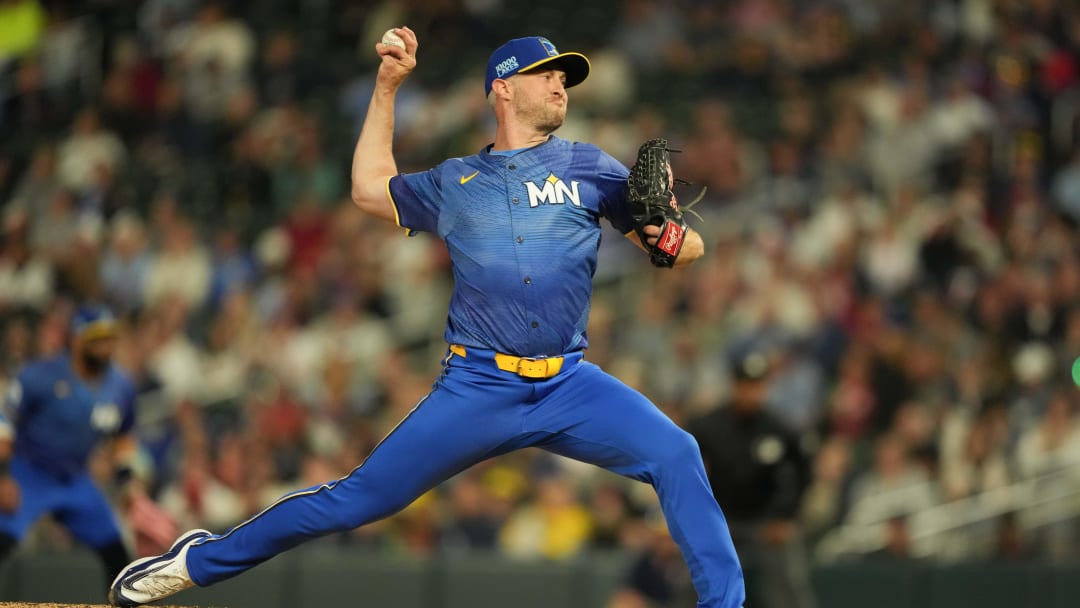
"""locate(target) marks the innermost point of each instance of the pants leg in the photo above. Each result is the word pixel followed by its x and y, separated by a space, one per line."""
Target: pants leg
pixel 465 419
pixel 8 544
pixel 593 417
pixel 39 493
pixel 86 513
pixel 787 573
pixel 114 557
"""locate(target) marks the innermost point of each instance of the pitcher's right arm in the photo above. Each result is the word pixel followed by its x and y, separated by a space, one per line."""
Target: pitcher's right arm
pixel 373 159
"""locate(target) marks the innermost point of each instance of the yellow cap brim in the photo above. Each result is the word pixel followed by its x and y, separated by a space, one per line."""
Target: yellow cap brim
pixel 575 65
pixel 98 330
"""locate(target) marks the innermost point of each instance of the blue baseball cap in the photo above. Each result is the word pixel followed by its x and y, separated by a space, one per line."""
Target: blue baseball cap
pixel 524 54
pixel 93 322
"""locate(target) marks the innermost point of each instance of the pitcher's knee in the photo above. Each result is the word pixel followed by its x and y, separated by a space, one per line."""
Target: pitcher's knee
pixel 677 450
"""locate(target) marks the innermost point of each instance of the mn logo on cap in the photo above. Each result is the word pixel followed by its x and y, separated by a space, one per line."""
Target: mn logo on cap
pixel 548 47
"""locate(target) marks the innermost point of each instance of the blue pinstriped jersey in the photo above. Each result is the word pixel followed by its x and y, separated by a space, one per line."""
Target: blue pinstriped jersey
pixel 522 232
pixel 59 419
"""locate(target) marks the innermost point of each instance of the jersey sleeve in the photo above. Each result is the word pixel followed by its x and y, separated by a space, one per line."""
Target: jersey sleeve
pixel 13 396
pixel 416 198
pixel 127 407
pixel 611 181
pixel 15 402
pixel 18 396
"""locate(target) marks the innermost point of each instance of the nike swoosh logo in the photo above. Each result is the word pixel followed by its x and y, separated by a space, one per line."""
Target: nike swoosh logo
pixel 465 179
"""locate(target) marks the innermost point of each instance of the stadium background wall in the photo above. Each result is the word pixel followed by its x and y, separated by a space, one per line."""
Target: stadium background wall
pixel 323 577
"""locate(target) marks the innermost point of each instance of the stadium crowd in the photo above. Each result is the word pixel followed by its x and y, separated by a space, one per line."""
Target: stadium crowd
pixel 891 216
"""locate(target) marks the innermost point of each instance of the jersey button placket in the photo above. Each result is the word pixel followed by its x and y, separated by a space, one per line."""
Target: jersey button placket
pixel 511 167
pixel 521 239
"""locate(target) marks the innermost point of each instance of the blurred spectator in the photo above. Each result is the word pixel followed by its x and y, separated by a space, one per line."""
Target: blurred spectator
pixel 170 354
pixel 796 389
pixel 198 497
pixel 895 487
pixel 180 268
pixel 652 34
pixel 556 527
pixel 216 53
pixel 126 265
pixel 89 153
pixel 656 578
pixel 159 19
pixel 67 52
pixel 38 185
pixel 56 227
pixel 1011 542
pixel 233 267
pixel 827 495
pixel 226 363
pixel 282 75
pixel 1066 188
pixel 612 513
pixel 474 524
pixel 1054 443
pixel 896 541
pixel 26 277
pixel 980 461
pixel 28 109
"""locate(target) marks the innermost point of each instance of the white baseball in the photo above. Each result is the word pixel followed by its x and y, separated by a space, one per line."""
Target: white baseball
pixel 392 39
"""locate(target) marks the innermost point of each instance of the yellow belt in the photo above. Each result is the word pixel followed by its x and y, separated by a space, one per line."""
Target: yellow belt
pixel 526 367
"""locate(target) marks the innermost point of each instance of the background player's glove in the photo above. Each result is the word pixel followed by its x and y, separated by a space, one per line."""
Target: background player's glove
pixel 10 496
pixel 651 201
pixel 153 528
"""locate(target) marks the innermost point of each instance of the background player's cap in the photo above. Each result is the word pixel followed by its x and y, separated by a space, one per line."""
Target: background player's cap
pixel 750 366
pixel 524 54
pixel 93 322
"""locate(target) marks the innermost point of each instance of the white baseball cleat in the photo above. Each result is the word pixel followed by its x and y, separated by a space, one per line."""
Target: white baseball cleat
pixel 153 578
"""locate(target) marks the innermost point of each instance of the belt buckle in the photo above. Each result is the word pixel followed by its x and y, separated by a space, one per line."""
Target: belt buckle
pixel 532 368
pixel 539 368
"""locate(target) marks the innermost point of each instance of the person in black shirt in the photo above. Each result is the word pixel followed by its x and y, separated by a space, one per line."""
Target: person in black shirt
pixel 758 471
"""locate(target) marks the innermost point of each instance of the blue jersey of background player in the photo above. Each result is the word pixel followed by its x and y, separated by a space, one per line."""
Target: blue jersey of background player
pixel 521 220
pixel 57 411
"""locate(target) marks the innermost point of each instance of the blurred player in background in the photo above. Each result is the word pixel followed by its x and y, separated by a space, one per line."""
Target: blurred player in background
pixel 759 470
pixel 521 221
pixel 57 412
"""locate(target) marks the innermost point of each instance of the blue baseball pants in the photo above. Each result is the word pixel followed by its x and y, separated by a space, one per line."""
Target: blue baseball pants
pixel 76 503
pixel 476 411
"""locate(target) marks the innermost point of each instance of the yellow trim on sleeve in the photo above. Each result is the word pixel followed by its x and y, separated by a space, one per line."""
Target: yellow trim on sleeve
pixel 393 205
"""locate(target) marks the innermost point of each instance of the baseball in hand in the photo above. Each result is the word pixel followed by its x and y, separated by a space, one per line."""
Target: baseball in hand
pixel 392 39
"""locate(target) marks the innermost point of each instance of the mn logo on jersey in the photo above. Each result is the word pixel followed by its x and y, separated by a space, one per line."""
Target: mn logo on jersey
pixel 553 191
